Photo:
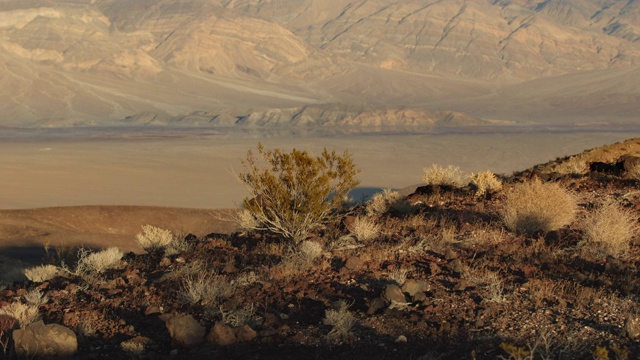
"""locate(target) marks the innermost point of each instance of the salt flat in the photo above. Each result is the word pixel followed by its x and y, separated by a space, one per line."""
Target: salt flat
pixel 184 170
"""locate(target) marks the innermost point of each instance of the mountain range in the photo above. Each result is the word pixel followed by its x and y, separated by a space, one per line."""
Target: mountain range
pixel 319 62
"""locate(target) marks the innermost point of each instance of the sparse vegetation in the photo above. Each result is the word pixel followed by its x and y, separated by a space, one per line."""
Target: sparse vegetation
pixel 450 176
pixel 41 273
pixel 24 314
pixel 152 237
pixel 310 250
pixel 538 206
pixel 35 297
pixel 206 288
pixel 91 264
pixel 388 201
pixel 486 183
pixel 365 228
pixel 340 319
pixel 295 192
pixel 608 230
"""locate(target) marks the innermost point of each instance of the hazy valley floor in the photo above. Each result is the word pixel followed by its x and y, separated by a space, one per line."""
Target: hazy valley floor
pixel 177 170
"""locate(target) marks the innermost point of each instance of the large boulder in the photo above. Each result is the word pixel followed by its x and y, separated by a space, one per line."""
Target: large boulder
pixel 38 340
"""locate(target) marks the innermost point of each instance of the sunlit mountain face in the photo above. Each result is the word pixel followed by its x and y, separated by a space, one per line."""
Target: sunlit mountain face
pixel 319 63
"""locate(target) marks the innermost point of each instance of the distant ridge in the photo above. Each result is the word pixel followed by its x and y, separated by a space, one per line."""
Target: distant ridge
pixel 97 62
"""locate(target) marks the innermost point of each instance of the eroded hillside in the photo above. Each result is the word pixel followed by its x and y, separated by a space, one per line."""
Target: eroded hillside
pixel 93 62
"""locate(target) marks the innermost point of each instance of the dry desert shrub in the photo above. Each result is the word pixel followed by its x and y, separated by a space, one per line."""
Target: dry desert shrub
pixel 491 281
pixel 295 263
pixel 310 250
pixel 365 229
pixel 152 237
pixel 41 273
pixel 293 193
pixel 438 175
pixel 207 287
pixel 179 245
pixel 35 297
pixel 246 220
pixel 240 315
pixel 572 166
pixel 91 265
pixel 25 314
pixel 340 319
pixel 538 206
pixel 486 183
pixel 388 201
pixel 133 348
pixel 98 262
pixel 398 275
pixel 609 230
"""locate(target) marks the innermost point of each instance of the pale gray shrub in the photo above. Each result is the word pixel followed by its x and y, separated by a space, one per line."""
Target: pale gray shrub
pixel 340 319
pixel 41 273
pixel 388 201
pixel 35 297
pixel 177 246
pixel 152 237
pixel 438 175
pixel 25 314
pixel 365 229
pixel 96 263
pixel 310 250
pixel 207 288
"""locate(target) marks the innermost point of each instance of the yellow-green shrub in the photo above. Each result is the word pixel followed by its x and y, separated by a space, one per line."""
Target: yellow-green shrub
pixel 295 192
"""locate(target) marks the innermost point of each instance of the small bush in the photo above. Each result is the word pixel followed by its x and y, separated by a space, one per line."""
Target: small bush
pixel 23 313
pixel 96 263
pixel 246 220
pixel 296 192
pixel 365 229
pixel 310 250
pixel 153 237
pixel 178 246
pixel 35 297
pixel 536 206
pixel 388 201
pixel 572 166
pixel 438 175
pixel 340 319
pixel 208 288
pixel 41 273
pixel 609 230
pixel 485 183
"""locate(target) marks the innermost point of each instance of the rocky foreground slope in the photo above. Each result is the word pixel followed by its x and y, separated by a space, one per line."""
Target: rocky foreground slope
pixel 438 276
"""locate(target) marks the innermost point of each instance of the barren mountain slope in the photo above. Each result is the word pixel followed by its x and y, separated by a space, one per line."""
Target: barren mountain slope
pixel 87 62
